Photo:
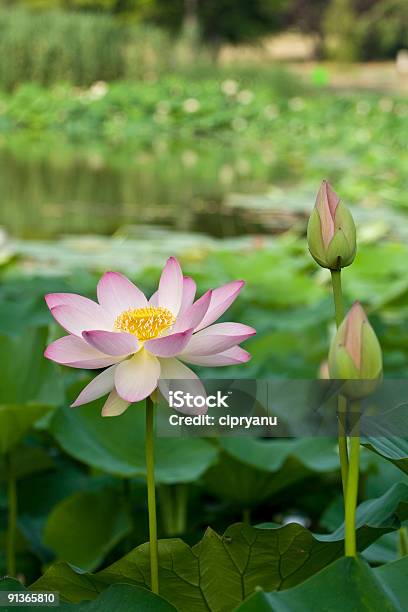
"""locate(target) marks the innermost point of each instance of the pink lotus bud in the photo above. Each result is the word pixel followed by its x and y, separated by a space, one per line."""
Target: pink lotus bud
pixel 331 232
pixel 324 373
pixel 355 352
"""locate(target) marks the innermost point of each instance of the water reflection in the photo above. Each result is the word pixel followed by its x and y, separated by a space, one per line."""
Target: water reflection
pixel 46 197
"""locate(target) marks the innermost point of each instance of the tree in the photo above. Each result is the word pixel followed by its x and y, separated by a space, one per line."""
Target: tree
pixel 219 21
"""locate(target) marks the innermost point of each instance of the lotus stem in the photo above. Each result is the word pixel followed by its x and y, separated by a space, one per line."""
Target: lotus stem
pixel 173 507
pixel 402 542
pixel 352 486
pixel 12 517
pixel 342 403
pixel 337 296
pixel 151 496
pixel 181 507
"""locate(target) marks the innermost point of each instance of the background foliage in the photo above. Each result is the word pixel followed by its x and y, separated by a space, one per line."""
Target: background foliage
pixel 123 140
pixel 83 41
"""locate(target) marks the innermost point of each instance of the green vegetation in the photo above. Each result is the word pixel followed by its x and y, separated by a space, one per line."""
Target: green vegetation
pixel 119 146
pixel 172 143
pixel 53 47
pixel 80 461
pixel 137 40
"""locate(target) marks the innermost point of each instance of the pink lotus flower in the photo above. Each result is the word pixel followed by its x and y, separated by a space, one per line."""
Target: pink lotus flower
pixel 141 342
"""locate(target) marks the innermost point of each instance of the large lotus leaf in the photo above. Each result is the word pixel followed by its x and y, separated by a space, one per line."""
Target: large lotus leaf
pixel 28 387
pixel 16 420
pixel 116 445
pixel 247 486
pixel 383 550
pixel 377 275
pixel 30 460
pixel 315 454
pixel 123 598
pixel 10 584
pixel 347 584
pixel 26 376
pixel 393 449
pixel 118 597
pixel 218 573
pixel 221 571
pixel 64 480
pixel 250 470
pixel 377 516
pixel 266 268
pixel 22 302
pixel 377 481
pixel 85 526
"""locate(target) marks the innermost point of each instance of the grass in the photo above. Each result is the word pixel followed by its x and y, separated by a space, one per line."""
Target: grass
pixel 52 46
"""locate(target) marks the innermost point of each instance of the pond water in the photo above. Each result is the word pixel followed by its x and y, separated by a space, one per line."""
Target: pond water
pixel 43 198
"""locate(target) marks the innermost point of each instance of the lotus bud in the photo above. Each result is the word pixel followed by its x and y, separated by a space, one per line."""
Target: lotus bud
pixel 324 373
pixel 331 233
pixel 355 352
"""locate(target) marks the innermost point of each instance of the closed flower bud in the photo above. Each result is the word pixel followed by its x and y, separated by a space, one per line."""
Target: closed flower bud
pixel 331 233
pixel 355 352
pixel 324 370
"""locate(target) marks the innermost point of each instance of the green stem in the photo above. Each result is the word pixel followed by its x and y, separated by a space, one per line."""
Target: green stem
pixel 181 507
pixel 246 516
pixel 151 496
pixel 166 509
pixel 342 404
pixel 352 488
pixel 12 517
pixel 173 508
pixel 402 542
pixel 337 295
pixel 342 442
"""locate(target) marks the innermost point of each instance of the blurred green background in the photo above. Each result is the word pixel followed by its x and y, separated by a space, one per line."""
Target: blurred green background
pixel 131 130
